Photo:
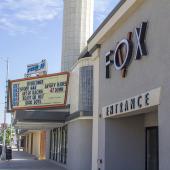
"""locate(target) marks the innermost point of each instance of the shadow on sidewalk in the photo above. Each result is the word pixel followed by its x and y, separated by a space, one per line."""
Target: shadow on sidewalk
pixel 24 161
pixel 21 155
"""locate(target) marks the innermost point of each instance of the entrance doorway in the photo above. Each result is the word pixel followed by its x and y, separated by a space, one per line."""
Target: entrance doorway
pixel 152 147
pixel 58 144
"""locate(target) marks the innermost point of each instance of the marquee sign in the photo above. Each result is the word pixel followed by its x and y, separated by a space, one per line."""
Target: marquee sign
pixel 142 101
pixel 39 92
pixel 123 53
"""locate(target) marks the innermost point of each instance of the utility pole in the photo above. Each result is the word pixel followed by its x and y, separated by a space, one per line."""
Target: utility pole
pixel 3 156
pixel 11 131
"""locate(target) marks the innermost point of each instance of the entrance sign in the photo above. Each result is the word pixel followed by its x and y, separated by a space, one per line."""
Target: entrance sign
pixel 142 101
pixel 39 92
pixel 123 52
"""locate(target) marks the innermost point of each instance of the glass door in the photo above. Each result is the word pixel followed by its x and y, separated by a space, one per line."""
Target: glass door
pixel 152 147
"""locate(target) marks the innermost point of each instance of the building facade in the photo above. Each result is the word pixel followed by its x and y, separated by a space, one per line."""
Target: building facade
pixel 77 28
pixel 74 137
pixel 32 141
pixel 130 113
pixel 118 95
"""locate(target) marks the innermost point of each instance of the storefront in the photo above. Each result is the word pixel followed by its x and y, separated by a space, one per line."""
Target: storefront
pixel 131 132
pixel 116 115
pixel 38 105
pixel 43 132
pixel 58 144
pixel 131 92
pixel 34 142
pixel 67 126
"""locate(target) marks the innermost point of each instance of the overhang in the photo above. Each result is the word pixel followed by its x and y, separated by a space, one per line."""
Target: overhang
pixel 41 115
pixel 37 119
pixel 36 125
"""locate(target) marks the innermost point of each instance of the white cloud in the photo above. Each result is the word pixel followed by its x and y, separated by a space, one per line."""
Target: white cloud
pixel 23 15
pixel 16 13
pixel 7 25
pixel 39 10
pixel 32 9
pixel 102 8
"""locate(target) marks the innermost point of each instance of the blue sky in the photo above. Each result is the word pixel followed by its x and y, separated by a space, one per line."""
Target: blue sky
pixel 31 30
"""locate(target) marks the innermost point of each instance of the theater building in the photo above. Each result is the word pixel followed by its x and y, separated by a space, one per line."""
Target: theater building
pixel 38 104
pixel 67 139
pixel 131 90
pixel 117 111
pixel 56 113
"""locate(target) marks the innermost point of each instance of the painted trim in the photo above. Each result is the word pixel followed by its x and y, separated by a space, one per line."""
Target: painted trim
pixel 78 114
pixel 80 118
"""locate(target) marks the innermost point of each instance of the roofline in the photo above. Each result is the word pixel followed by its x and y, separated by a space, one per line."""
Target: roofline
pixel 115 9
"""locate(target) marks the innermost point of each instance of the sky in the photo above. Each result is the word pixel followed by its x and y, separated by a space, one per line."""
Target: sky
pixel 31 30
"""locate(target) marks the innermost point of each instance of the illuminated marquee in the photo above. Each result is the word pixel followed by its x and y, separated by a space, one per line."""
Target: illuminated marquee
pixel 39 92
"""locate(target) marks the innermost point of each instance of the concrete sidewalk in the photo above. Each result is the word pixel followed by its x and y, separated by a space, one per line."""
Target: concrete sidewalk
pixel 20 155
pixel 24 161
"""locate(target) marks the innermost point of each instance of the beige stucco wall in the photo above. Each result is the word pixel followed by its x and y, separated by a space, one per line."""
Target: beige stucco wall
pixel 150 72
pixel 36 144
pixel 95 129
pixel 25 143
pixel 29 144
pixel 79 145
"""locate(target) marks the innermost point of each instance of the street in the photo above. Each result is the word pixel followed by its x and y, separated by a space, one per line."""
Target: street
pixel 24 161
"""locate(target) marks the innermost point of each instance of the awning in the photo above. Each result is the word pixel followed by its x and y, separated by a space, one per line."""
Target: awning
pixel 39 119
pixel 36 125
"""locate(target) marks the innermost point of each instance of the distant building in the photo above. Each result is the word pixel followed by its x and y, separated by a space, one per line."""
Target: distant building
pixel 3 125
pixel 77 28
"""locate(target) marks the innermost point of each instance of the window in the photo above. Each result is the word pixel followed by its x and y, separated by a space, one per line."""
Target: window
pixel 58 144
pixel 86 89
pixel 152 147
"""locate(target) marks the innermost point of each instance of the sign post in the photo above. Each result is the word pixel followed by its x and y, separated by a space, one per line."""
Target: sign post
pixel 3 156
